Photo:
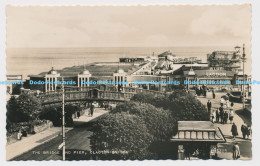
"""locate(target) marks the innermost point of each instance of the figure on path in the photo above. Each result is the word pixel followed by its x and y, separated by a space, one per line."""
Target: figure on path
pixel 244 130
pixel 234 130
pixel 92 107
pixel 209 106
pixel 236 151
pixel 217 115
pixel 221 113
pixel 231 116
pixel 225 117
pixel 78 114
pixel 248 133
pixel 213 94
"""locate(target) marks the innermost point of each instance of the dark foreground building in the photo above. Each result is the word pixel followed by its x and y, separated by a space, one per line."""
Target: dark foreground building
pixel 197 140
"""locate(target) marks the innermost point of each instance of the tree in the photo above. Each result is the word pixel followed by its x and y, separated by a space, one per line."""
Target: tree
pixel 123 136
pixel 160 123
pixel 29 105
pixel 143 97
pixel 54 114
pixel 186 107
pixel 13 114
pixel 183 106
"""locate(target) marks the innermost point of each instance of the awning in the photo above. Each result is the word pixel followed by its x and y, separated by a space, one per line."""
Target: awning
pixel 200 131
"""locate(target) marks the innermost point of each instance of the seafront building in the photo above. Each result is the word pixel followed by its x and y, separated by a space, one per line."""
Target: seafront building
pixel 224 60
pixel 151 72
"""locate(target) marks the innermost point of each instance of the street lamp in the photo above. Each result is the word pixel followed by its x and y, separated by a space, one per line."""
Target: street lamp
pixel 63 121
pixel 243 58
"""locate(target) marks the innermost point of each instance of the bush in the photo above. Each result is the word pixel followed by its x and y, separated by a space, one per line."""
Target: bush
pixel 182 105
pixel 29 105
pixel 143 97
pixel 186 107
pixel 160 123
pixel 123 134
pixel 54 114
pixel 13 113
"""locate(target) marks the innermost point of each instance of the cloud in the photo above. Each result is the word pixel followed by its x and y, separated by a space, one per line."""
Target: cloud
pixel 233 22
pixel 83 26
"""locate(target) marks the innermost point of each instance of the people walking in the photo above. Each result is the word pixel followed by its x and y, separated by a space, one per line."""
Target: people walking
pixel 19 134
pixel 213 94
pixel 217 115
pixel 209 106
pixel 221 113
pixel 227 104
pixel 78 114
pixel 225 117
pixel 92 107
pixel 234 130
pixel 222 102
pixel 248 133
pixel 232 104
pixel 236 151
pixel 231 116
pixel 244 130
pixel 212 116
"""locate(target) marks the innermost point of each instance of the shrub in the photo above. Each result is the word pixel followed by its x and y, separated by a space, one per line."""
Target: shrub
pixel 13 113
pixel 123 134
pixel 143 97
pixel 54 114
pixel 186 107
pixel 160 123
pixel 29 105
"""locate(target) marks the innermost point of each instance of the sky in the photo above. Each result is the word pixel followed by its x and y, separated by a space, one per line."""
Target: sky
pixel 128 26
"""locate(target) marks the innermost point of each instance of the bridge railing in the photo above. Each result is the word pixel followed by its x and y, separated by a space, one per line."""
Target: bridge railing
pixel 92 93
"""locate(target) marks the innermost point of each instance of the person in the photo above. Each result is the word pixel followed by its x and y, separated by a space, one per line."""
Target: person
pixel 205 92
pixel 209 106
pixel 248 133
pixel 236 151
pixel 232 104
pixel 221 113
pixel 222 102
pixel 92 107
pixel 234 130
pixel 231 116
pixel 217 115
pixel 225 117
pixel 227 103
pixel 78 114
pixel 213 94
pixel 244 130
pixel 212 116
pixel 201 91
pixel 19 134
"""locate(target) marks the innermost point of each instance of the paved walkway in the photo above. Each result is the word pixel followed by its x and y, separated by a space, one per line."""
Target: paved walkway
pixel 225 149
pixel 28 143
pixel 86 118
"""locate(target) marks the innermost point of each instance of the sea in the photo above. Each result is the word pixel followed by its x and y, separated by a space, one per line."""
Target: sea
pixel 26 61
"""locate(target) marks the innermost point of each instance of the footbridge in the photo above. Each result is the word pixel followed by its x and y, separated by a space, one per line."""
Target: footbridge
pixel 90 94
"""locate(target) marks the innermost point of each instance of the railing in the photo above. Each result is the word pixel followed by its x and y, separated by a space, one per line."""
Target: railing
pixel 93 93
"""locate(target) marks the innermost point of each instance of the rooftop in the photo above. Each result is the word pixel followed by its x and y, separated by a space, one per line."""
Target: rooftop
pixel 204 131
pixel 96 69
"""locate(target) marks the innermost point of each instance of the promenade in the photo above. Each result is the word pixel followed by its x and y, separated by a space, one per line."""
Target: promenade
pixel 225 149
pixel 28 143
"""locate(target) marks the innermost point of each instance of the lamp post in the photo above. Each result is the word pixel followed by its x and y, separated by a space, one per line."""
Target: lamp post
pixel 63 121
pixel 243 60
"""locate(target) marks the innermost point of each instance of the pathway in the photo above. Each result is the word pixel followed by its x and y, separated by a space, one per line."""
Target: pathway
pixel 29 143
pixel 225 149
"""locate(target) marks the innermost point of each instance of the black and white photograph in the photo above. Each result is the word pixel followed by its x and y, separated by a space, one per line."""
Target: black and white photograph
pixel 128 82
